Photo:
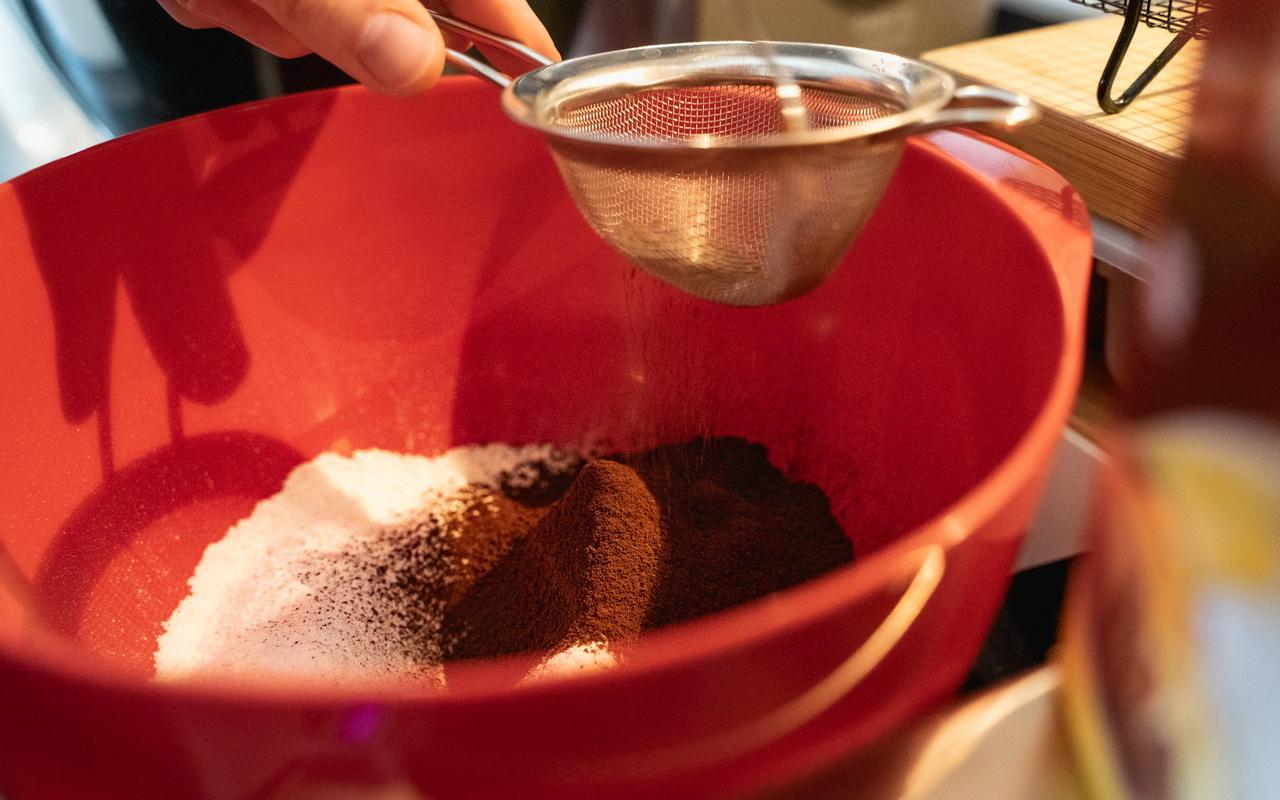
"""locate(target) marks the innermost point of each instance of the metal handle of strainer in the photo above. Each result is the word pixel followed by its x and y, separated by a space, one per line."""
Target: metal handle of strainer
pixel 978 105
pixel 474 65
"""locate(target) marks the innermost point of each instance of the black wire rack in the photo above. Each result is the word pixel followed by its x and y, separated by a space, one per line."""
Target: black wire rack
pixel 1187 19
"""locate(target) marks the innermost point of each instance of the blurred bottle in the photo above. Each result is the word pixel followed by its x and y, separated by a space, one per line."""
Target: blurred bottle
pixel 1171 641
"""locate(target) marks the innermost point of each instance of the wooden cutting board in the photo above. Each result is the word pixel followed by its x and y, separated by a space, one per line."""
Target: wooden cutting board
pixel 1122 164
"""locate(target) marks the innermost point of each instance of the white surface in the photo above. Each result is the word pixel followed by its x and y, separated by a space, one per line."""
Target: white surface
pixel 1118 250
pixel 39 122
pixel 1057 531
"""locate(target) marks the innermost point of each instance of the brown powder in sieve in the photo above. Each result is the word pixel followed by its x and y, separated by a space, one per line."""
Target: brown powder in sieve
pixel 641 541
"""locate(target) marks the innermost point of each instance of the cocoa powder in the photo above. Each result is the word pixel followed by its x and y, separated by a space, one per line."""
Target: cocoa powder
pixel 735 528
pixel 637 542
pixel 586 572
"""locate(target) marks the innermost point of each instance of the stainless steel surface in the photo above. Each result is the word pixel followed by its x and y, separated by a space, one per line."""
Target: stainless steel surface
pixel 679 155
pixel 476 67
pixel 680 158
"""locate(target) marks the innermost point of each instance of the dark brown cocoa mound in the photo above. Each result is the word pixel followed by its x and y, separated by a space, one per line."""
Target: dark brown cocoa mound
pixel 735 528
pixel 585 573
pixel 645 540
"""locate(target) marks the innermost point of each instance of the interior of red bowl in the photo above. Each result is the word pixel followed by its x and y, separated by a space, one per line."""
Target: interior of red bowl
pixel 189 313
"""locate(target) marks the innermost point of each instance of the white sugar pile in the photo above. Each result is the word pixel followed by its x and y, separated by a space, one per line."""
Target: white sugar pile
pixel 323 581
pixel 577 660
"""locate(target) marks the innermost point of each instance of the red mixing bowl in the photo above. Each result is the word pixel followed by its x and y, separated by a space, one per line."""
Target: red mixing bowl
pixel 189 312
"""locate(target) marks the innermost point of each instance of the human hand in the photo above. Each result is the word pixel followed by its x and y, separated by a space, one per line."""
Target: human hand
pixel 391 46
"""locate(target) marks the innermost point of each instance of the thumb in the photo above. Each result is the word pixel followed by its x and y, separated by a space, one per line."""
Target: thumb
pixel 392 46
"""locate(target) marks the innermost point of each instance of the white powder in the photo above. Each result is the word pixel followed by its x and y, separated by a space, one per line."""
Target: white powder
pixel 571 661
pixel 312 585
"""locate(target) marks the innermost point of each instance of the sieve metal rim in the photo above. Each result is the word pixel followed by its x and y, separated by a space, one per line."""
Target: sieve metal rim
pixel 525 99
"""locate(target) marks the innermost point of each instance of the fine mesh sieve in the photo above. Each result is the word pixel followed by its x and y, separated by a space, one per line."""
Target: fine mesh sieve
pixel 678 155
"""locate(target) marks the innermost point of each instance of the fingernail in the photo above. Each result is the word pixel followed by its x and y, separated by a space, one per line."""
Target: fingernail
pixel 394 50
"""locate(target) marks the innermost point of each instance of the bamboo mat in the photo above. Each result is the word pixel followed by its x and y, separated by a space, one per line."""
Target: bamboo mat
pixel 1122 164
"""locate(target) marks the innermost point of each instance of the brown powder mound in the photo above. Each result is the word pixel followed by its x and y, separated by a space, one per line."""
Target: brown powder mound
pixel 638 542
pixel 586 573
pixel 477 533
pixel 736 529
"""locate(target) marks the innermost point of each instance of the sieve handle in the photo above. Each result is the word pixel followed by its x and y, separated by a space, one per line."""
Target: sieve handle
pixel 477 67
pixel 980 105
